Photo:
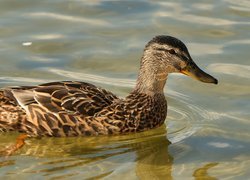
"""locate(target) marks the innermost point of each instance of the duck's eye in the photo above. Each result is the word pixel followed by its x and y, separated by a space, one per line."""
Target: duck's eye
pixel 172 51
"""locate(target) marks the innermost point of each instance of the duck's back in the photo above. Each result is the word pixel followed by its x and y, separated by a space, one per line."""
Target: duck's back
pixel 51 109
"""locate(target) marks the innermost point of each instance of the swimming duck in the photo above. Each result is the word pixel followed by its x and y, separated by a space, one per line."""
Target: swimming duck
pixel 72 108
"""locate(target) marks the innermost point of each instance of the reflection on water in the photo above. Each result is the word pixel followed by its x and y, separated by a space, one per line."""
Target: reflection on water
pixel 206 134
pixel 201 173
pixel 154 160
pixel 96 157
pixel 93 157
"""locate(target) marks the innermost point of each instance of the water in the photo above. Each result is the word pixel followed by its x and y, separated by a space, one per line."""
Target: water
pixel 206 134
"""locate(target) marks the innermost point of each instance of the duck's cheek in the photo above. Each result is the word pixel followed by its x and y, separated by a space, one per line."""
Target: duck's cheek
pixel 171 69
pixel 182 65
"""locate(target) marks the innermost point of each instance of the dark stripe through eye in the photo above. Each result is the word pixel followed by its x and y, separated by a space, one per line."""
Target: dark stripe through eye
pixel 171 51
pixel 161 49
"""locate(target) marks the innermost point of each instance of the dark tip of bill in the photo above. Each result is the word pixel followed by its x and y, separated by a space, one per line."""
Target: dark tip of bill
pixel 215 81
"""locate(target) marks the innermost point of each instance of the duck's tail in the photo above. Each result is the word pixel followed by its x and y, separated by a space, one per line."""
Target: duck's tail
pixel 11 114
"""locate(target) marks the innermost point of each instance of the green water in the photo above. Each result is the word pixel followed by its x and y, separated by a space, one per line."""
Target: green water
pixel 207 131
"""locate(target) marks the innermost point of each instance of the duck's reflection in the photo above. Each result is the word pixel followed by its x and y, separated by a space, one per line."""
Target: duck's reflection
pixel 202 173
pixel 144 155
pixel 153 159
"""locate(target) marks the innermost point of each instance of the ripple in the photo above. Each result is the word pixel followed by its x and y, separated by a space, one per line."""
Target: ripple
pixel 182 120
pixel 202 49
pixel 27 43
pixel 244 5
pixel 178 11
pixel 48 36
pixel 203 6
pixel 68 18
pixel 242 71
pixel 239 41
pixel 43 59
pixel 26 80
pixel 198 19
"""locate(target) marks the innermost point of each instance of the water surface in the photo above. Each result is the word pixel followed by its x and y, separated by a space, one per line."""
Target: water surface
pixel 206 134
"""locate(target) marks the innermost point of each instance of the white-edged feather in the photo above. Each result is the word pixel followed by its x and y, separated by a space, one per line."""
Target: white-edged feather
pixel 23 97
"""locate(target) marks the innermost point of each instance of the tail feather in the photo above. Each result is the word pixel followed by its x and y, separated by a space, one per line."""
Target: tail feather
pixel 10 113
pixel 5 99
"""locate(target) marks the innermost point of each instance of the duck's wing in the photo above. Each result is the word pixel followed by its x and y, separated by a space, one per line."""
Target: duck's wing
pixel 57 109
pixel 67 96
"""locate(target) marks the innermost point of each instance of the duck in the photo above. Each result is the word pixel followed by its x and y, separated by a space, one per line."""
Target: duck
pixel 74 108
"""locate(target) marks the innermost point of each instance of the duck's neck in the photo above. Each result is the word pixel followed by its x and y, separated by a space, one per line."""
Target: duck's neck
pixel 150 81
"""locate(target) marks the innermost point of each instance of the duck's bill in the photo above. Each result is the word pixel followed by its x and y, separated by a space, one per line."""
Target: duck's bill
pixel 195 72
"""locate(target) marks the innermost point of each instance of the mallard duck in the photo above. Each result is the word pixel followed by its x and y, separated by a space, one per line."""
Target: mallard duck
pixel 72 108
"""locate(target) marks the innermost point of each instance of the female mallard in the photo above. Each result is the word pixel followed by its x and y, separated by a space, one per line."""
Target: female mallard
pixel 71 108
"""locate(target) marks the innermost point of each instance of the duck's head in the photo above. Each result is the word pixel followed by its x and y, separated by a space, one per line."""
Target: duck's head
pixel 166 54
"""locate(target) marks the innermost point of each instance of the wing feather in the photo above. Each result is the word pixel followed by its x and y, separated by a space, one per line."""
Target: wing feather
pixel 23 97
pixel 69 96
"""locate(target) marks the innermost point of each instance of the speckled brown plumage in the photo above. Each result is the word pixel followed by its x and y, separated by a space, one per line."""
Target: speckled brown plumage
pixel 72 108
